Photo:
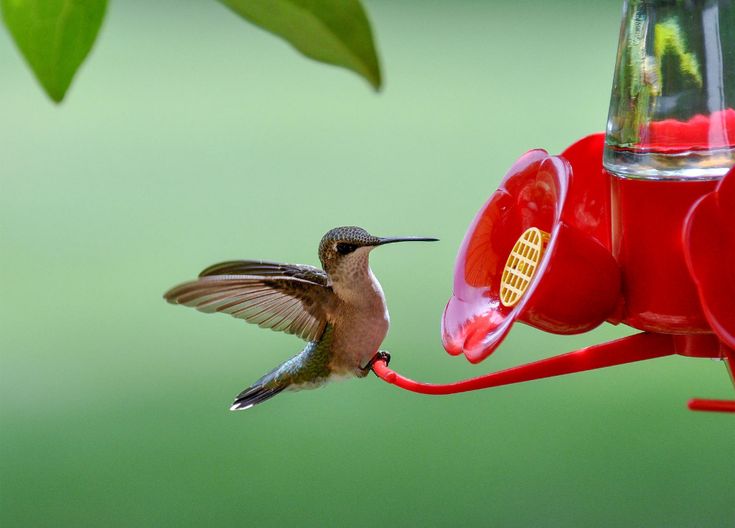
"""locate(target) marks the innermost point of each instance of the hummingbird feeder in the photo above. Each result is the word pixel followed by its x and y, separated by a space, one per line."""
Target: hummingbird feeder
pixel 635 226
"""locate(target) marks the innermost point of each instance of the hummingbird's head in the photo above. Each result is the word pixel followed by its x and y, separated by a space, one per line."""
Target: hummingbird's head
pixel 347 248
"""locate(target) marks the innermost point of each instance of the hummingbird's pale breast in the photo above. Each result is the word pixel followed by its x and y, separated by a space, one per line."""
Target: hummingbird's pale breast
pixel 360 316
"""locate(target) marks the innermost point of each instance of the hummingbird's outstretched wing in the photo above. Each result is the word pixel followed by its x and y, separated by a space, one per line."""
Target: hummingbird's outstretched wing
pixel 266 268
pixel 283 297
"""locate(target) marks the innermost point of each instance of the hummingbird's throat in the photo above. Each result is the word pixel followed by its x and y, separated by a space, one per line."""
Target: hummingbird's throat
pixel 351 276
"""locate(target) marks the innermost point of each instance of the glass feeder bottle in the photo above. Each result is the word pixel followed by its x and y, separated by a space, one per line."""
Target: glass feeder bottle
pixel 671 112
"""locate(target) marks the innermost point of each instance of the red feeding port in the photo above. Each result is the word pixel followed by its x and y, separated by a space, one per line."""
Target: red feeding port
pixel 537 252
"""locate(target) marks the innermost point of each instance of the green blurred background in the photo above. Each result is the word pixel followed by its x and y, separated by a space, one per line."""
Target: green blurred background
pixel 190 137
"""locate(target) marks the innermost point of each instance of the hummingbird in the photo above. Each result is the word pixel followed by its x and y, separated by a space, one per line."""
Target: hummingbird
pixel 338 310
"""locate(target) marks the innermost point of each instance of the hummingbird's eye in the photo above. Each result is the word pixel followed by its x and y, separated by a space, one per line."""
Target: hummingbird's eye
pixel 344 249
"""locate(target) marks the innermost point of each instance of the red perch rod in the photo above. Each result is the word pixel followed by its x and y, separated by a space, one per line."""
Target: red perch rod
pixel 699 404
pixel 629 349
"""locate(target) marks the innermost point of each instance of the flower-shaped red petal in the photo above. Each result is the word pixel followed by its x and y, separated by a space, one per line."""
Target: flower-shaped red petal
pixel 576 283
pixel 475 321
pixel 709 247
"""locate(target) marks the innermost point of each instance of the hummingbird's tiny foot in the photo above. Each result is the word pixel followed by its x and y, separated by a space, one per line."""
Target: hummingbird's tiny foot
pixel 382 355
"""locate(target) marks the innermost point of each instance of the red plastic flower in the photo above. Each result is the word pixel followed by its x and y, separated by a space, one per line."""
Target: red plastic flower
pixel 709 247
pixel 575 284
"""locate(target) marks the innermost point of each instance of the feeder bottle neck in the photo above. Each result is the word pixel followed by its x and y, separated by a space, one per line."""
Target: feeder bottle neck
pixel 672 113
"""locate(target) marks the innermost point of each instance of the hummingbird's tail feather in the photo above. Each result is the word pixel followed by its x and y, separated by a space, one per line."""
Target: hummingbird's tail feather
pixel 256 394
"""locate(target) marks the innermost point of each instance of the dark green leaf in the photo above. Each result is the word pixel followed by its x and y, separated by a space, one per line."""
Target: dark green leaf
pixel 54 36
pixel 332 31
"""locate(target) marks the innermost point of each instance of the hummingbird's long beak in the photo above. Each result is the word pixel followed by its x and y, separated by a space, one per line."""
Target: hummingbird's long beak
pixel 391 240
